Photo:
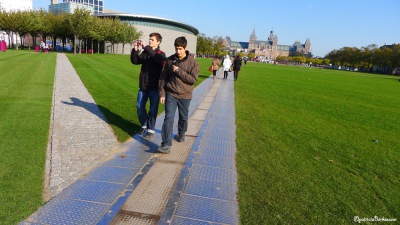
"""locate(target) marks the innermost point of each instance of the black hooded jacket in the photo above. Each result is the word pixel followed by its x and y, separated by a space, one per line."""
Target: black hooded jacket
pixel 152 64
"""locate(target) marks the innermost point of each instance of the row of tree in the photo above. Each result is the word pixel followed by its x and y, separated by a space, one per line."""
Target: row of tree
pixel 385 59
pixel 79 25
pixel 303 60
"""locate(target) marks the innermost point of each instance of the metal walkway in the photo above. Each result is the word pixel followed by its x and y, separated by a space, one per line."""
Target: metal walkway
pixel 195 184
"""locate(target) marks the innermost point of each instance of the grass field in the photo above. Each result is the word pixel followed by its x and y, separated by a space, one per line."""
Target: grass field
pixel 306 145
pixel 26 87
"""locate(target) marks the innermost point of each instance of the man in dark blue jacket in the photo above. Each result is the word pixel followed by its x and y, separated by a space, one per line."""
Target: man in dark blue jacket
pixel 152 59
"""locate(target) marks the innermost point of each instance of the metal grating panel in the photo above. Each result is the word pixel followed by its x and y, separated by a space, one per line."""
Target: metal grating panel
pixel 121 219
pixel 141 150
pixel 179 151
pixel 194 127
pixel 112 174
pixel 210 151
pixel 69 211
pixel 227 134
pixel 129 161
pixel 185 221
pixel 211 189
pixel 29 223
pixel 213 174
pixel 217 143
pixel 214 161
pixel 223 121
pixel 152 193
pixel 207 209
pixel 95 191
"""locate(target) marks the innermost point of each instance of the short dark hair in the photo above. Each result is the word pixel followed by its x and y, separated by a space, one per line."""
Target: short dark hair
pixel 180 42
pixel 157 35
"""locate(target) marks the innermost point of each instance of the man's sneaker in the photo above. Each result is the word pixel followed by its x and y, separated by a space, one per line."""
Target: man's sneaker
pixel 142 131
pixel 180 137
pixel 164 149
pixel 149 135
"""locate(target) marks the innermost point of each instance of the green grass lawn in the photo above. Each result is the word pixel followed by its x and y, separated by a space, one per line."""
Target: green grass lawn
pixel 113 82
pixel 26 87
pixel 306 149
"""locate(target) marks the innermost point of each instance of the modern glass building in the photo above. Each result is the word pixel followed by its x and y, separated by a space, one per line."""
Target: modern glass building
pixel 68 7
pixel 98 5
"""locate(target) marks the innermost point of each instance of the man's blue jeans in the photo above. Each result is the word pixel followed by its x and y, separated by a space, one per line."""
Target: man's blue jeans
pixel 171 104
pixel 147 120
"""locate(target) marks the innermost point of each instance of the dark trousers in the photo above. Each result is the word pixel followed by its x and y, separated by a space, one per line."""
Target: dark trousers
pixel 236 74
pixel 147 120
pixel 225 74
pixel 171 104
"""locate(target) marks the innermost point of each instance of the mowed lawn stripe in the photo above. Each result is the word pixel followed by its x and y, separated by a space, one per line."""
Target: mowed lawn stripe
pixel 26 87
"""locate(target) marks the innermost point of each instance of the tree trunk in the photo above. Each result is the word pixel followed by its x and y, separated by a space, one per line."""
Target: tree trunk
pixel 9 40
pixel 80 46
pixel 74 45
pixel 91 46
pixel 54 44
pixel 16 40
pixel 29 44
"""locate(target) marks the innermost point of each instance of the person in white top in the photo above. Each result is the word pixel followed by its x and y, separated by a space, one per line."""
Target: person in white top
pixel 227 65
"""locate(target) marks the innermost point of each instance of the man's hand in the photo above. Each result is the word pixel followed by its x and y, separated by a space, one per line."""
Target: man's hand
pixel 162 100
pixel 175 68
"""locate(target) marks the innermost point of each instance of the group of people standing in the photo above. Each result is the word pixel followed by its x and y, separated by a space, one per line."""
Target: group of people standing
pixel 228 64
pixel 167 80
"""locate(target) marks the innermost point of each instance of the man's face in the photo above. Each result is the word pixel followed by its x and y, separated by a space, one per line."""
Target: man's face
pixel 180 51
pixel 153 42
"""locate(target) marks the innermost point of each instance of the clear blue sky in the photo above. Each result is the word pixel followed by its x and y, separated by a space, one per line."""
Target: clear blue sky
pixel 330 24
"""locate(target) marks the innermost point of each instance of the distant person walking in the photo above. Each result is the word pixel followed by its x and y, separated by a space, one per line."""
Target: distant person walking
pixel 215 66
pixel 177 80
pixel 152 59
pixel 237 63
pixel 226 65
pixel 42 46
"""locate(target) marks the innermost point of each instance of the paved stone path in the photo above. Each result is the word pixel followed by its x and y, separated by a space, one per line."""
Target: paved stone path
pixel 79 135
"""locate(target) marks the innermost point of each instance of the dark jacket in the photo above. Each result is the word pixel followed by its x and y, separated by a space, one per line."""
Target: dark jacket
pixel 179 84
pixel 237 63
pixel 152 63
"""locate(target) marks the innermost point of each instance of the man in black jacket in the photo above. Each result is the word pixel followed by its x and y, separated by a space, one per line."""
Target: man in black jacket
pixel 152 59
